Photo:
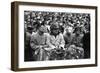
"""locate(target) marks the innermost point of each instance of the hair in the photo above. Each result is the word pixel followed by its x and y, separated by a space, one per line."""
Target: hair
pixel 38 25
pixel 53 26
pixel 61 29
pixel 77 29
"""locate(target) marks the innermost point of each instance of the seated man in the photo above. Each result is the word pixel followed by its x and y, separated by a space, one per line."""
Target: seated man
pixel 77 39
pixel 38 43
pixel 28 51
pixel 68 36
pixel 75 49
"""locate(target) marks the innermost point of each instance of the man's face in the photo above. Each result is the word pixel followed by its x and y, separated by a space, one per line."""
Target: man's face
pixel 68 33
pixel 78 33
pixel 29 30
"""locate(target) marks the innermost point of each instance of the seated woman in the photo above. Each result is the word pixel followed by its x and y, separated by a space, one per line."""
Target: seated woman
pixel 38 43
pixel 55 39
pixel 78 35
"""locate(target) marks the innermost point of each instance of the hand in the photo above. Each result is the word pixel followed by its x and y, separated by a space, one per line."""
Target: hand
pixel 60 47
pixel 40 46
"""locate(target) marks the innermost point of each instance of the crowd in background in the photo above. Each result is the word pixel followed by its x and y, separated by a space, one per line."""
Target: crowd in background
pixel 75 28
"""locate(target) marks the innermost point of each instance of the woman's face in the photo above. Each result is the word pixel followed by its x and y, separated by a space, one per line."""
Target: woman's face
pixel 41 30
pixel 55 31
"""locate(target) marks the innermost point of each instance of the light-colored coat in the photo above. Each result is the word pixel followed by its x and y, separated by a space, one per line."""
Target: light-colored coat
pixel 53 41
pixel 37 41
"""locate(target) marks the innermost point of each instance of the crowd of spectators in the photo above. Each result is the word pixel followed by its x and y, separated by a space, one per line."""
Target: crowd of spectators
pixel 73 26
